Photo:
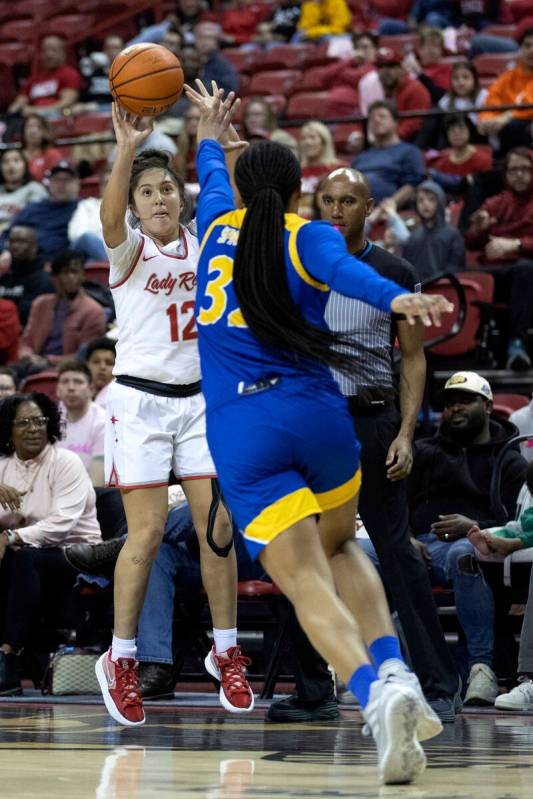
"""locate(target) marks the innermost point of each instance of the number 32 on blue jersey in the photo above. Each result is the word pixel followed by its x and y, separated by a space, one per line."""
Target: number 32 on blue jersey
pixel 220 275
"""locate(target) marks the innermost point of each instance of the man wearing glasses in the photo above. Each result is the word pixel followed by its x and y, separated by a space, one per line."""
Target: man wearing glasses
pixel 502 229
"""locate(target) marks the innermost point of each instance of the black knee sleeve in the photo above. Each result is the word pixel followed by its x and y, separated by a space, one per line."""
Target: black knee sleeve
pixel 216 500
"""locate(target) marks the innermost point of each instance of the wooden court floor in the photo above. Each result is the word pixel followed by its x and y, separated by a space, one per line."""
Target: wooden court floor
pixel 76 751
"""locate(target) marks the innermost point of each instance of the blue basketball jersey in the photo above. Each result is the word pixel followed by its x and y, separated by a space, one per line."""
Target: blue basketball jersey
pixel 232 358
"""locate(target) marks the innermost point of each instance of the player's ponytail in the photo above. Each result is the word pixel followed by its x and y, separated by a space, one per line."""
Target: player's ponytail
pixel 267 174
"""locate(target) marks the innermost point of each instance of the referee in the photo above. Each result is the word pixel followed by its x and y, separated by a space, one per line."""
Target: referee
pixel 386 434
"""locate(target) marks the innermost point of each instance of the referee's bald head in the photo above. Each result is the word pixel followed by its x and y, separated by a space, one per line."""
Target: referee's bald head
pixel 356 179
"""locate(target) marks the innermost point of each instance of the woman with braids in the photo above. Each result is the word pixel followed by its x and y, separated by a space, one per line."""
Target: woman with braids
pixel 156 415
pixel 278 427
pixel 46 503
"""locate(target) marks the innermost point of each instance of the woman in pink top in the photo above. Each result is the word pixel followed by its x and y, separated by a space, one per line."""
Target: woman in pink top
pixel 46 503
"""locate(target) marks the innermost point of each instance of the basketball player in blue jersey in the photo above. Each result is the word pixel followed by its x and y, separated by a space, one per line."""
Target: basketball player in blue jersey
pixel 278 427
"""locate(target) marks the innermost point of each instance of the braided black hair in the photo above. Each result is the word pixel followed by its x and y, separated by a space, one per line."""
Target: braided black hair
pixel 267 174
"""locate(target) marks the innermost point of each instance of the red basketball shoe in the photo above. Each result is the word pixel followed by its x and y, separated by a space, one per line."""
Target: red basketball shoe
pixel 119 686
pixel 235 692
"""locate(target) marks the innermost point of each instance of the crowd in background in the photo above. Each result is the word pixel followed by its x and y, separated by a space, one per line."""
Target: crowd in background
pixel 452 191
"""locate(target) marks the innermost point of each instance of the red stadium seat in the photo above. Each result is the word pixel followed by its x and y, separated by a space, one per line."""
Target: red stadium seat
pixel 508 31
pixel 311 80
pixel 341 132
pixel 506 404
pixel 310 105
pixel 21 30
pixel 478 288
pixel 242 60
pixel 402 43
pixel 70 25
pixel 285 56
pixel 12 53
pixel 97 271
pixel 273 82
pixel 318 57
pixel 41 8
pixel 494 64
pixel 89 187
pixel 276 101
pixel 45 382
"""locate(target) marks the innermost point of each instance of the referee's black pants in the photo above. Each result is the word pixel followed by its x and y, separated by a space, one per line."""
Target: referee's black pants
pixel 384 511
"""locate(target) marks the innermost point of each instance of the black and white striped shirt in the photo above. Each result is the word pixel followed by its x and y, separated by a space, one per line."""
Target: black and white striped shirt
pixel 373 330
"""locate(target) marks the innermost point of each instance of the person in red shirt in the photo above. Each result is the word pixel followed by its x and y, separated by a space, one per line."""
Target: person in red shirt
pixel 462 158
pixel 38 141
pixel 426 63
pixel 9 331
pixel 53 87
pixel 390 82
pixel 502 229
pixel 240 20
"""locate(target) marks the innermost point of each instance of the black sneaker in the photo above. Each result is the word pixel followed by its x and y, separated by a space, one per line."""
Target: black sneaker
pixel 94 558
pixel 9 678
pixel 156 680
pixel 293 710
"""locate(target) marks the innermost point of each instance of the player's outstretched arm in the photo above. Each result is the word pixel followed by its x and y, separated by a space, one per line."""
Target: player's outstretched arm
pixel 130 132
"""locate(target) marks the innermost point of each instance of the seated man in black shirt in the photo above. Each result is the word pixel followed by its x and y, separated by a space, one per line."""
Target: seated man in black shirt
pixel 343 198
pixel 25 279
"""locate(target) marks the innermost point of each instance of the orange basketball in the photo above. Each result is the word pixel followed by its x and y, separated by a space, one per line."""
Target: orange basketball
pixel 146 79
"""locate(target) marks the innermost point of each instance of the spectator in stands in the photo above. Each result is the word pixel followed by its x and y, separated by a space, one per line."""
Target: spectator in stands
pixel 50 217
pixel 85 227
pixel 317 158
pixel 391 82
pixel 393 167
pixel 185 16
pixel 462 158
pixel 17 187
pixel 240 20
pixel 348 71
pixel 426 63
pixel 433 247
pixel 185 160
pixel 191 64
pixel 60 323
pixel 322 19
pixel 514 87
pixel 53 87
pixel 96 94
pixel 83 419
pixel 100 358
pixel 520 699
pixel 9 332
pixel 213 64
pixel 502 229
pixel 523 420
pixel 449 493
pixel 433 13
pixel 38 139
pixel 280 27
pixel 258 115
pixel 8 382
pixel 465 91
pixel 26 279
pixel 46 502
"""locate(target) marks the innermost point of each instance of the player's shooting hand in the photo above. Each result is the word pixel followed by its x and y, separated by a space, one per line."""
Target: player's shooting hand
pixel 426 307
pixel 216 113
pixel 130 131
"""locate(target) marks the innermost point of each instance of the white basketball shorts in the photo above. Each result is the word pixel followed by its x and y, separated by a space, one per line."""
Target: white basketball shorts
pixel 147 436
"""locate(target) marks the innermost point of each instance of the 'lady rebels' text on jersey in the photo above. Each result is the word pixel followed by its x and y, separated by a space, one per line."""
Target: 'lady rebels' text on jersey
pixel 154 291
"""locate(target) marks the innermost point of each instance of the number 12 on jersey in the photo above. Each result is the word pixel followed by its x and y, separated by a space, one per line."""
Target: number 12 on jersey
pixel 185 315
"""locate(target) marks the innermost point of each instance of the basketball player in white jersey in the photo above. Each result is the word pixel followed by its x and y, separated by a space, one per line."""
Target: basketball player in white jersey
pixel 156 416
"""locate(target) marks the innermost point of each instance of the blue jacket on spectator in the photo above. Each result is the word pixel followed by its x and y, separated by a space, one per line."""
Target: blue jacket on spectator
pixel 50 219
pixel 391 167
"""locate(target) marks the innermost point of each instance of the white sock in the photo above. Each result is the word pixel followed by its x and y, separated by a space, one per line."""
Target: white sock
pixel 391 666
pixel 123 648
pixel 224 639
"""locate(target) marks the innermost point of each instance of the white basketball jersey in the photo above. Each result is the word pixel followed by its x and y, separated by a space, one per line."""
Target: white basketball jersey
pixel 154 290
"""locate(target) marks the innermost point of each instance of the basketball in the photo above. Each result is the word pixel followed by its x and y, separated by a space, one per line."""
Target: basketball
pixel 146 79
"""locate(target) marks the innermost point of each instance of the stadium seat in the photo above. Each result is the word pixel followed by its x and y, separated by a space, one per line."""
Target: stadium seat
pixel 341 132
pixel 311 80
pixel 309 105
pixel 20 30
pixel 284 57
pixel 45 382
pixel 318 57
pixel 493 64
pixel 97 271
pixel 40 8
pixel 506 404
pixel 401 43
pixel 242 60
pixel 12 53
pixel 273 82
pixel 508 31
pixel 478 288
pixel 70 25
pixel 276 101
